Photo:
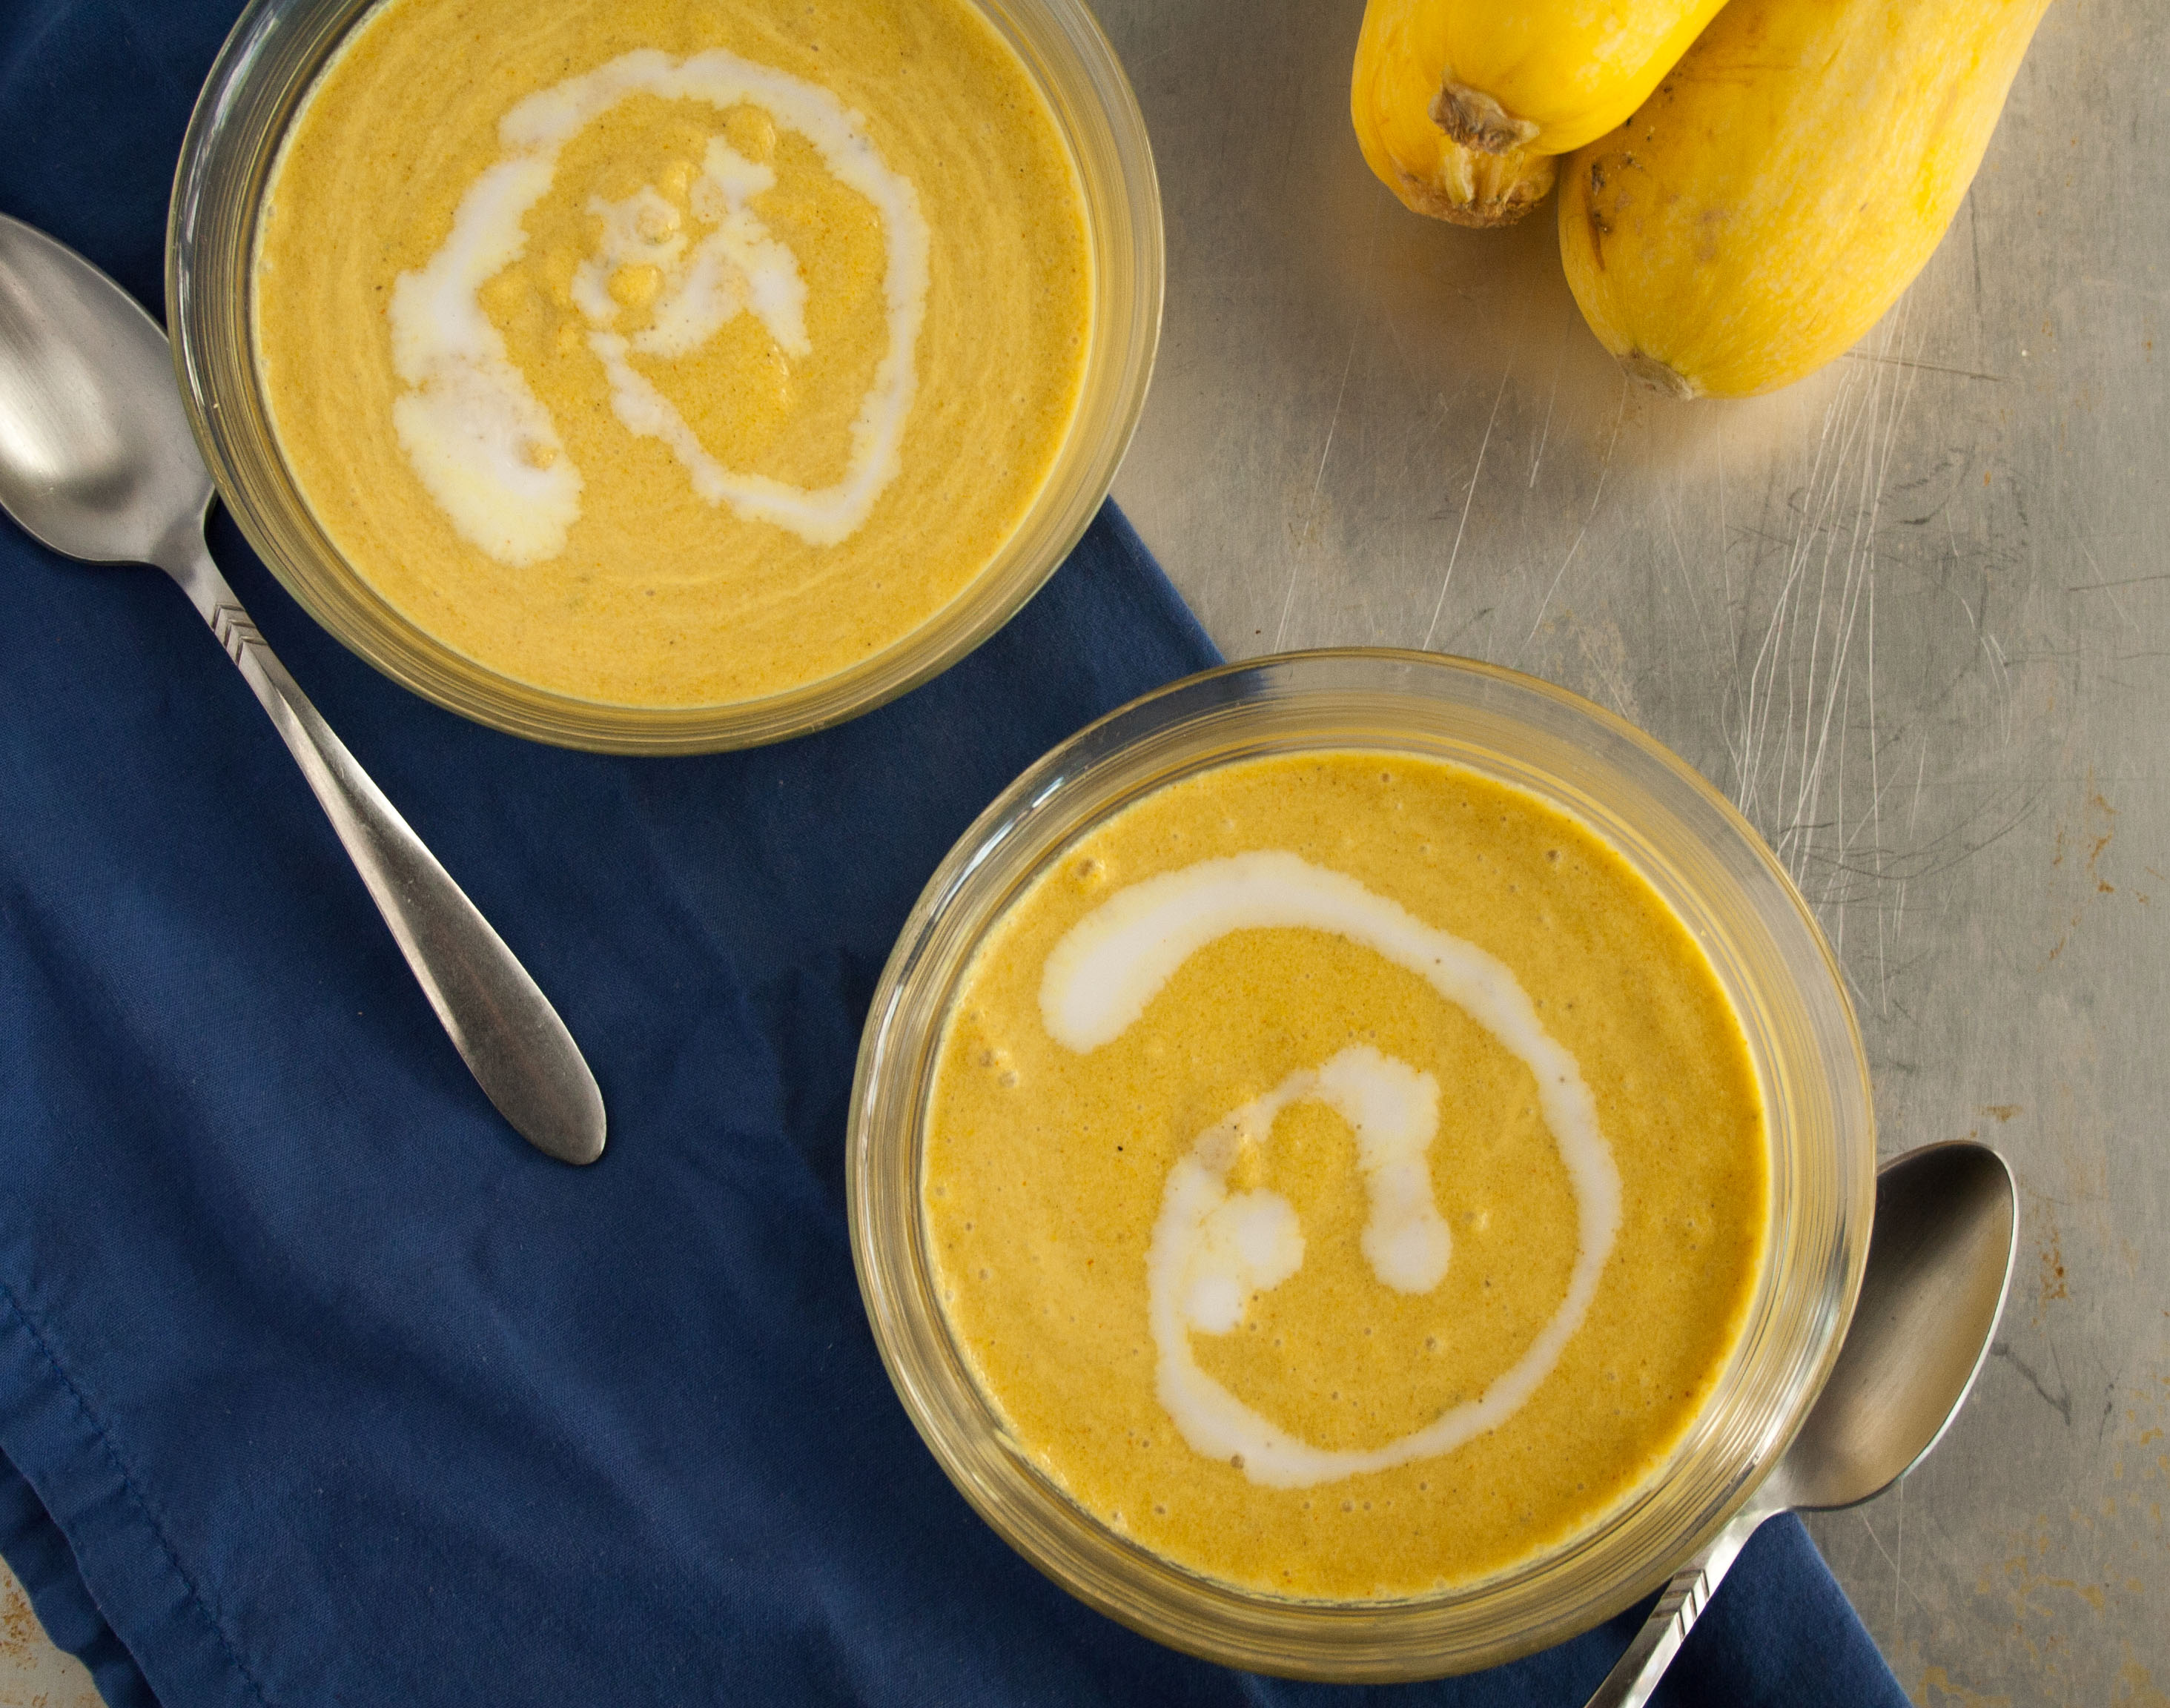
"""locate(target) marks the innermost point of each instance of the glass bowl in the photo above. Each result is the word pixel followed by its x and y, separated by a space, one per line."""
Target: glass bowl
pixel 1717 874
pixel 260 79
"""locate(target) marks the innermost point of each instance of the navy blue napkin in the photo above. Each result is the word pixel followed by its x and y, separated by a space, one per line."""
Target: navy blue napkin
pixel 316 1383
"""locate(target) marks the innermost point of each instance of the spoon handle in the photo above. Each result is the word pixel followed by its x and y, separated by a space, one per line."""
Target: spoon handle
pixel 502 1025
pixel 1631 1683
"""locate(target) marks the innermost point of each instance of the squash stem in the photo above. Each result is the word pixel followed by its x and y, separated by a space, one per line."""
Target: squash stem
pixel 1476 120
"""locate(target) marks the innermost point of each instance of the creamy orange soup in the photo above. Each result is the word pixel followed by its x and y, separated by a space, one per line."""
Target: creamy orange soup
pixel 1345 1174
pixel 672 353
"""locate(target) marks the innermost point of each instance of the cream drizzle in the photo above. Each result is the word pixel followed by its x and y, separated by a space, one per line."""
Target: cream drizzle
pixel 1212 1252
pixel 474 431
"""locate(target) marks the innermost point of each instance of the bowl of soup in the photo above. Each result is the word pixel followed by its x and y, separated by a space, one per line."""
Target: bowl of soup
pixel 652 377
pixel 1359 1162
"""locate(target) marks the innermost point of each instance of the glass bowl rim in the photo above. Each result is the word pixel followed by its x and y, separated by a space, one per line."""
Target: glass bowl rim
pixel 240 120
pixel 1352 1640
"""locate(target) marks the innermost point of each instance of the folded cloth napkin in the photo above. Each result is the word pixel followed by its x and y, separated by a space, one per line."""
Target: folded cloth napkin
pixel 317 1384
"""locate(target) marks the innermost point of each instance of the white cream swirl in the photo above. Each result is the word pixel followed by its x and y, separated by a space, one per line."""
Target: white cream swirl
pixel 1211 1252
pixel 476 434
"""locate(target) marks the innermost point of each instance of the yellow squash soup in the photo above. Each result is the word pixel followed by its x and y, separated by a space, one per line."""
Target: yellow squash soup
pixel 671 353
pixel 1344 1174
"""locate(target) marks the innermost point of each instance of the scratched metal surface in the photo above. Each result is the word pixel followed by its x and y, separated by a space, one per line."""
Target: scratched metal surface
pixel 33 1672
pixel 1912 615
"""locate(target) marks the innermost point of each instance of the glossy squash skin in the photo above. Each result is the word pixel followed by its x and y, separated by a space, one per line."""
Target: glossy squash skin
pixel 1391 93
pixel 1784 184
pixel 1503 78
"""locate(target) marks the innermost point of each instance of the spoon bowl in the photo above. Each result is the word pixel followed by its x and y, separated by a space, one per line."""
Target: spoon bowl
pixel 96 458
pixel 1939 1264
pixel 1939 1260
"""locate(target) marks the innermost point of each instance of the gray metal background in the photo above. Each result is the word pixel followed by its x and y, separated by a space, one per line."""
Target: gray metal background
pixel 1911 615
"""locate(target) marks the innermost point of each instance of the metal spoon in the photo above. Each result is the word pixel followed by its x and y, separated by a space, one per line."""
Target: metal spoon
pixel 1939 1260
pixel 96 461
